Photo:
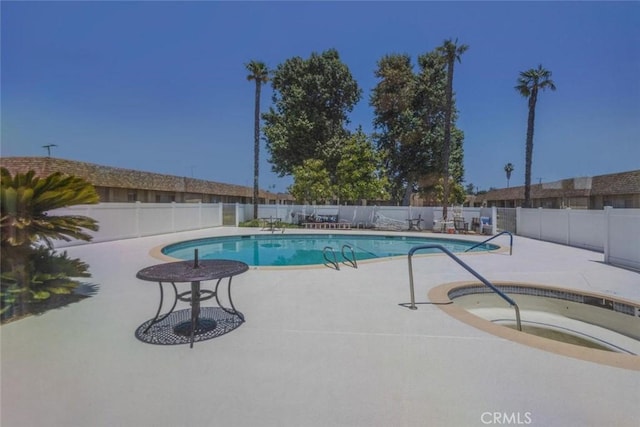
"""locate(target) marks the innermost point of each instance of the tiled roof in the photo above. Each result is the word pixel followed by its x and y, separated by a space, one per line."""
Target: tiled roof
pixel 617 183
pixel 107 176
pixel 601 185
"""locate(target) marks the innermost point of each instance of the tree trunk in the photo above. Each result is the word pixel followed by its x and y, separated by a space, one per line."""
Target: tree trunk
pixel 529 148
pixel 256 150
pixel 447 137
pixel 406 200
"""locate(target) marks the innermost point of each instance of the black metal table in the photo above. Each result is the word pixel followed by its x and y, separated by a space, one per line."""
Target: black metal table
pixel 193 272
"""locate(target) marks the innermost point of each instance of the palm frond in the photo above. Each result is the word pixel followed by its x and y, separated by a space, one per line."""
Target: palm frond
pixel 25 199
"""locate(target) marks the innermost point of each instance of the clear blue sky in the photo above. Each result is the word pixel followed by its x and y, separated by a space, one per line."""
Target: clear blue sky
pixel 161 86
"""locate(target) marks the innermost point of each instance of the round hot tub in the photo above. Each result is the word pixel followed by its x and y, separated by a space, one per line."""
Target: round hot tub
pixel 588 326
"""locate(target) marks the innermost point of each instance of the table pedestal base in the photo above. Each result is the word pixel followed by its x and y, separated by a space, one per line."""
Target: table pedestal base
pixel 170 330
pixel 202 326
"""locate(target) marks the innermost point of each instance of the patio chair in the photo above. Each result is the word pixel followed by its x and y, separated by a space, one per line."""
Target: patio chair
pixel 460 225
pixel 485 225
pixel 475 224
pixel 414 223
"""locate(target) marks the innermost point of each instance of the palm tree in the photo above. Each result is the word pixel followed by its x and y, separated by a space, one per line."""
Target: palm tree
pixel 508 168
pixel 450 52
pixel 25 200
pixel 260 74
pixel 529 83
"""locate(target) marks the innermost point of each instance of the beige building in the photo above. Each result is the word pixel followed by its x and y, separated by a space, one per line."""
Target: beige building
pixel 128 185
pixel 619 190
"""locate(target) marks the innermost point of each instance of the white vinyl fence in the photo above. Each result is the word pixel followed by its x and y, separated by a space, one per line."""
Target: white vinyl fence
pixel 616 232
pixel 579 228
pixel 362 216
pixel 622 237
pixel 126 220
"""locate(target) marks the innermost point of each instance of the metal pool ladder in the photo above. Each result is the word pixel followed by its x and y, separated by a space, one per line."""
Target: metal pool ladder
pixel 351 261
pixel 466 267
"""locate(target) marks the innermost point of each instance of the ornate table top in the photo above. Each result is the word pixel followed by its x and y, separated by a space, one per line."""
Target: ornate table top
pixel 184 271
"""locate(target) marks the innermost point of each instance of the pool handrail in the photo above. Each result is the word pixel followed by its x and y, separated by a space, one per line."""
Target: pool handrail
pixel 328 261
pixel 493 237
pixel 349 261
pixel 466 267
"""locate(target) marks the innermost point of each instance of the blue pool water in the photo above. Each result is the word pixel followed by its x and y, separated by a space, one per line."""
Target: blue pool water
pixel 306 249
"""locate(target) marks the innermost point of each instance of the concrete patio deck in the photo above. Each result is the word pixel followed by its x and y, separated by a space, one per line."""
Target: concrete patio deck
pixel 319 348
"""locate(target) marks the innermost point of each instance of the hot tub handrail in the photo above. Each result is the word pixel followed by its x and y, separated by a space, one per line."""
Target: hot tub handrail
pixel 466 267
pixel 493 237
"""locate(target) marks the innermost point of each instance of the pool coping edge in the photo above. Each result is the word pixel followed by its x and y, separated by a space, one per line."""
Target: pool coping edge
pixel 440 296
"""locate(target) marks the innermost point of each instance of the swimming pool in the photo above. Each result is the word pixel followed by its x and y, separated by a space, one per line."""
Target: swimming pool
pixel 307 249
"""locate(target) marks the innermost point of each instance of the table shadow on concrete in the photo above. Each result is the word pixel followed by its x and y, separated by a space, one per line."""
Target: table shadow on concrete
pixel 168 330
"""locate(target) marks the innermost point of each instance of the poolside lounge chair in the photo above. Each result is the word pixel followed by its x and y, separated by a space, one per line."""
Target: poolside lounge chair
pixel 326 222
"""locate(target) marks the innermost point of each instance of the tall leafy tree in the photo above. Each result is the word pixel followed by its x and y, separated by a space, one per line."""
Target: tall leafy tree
pixel 508 168
pixel 456 195
pixel 409 115
pixel 433 104
pixel 470 189
pixel 358 173
pixel 311 182
pixel 452 52
pixel 397 124
pixel 259 73
pixel 529 84
pixel 308 117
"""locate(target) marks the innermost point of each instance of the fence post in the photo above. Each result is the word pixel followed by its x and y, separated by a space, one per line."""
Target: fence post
pixel 540 223
pixel 568 212
pixel 518 219
pixel 173 217
pixel 607 227
pixel 237 214
pixel 494 220
pixel 137 218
